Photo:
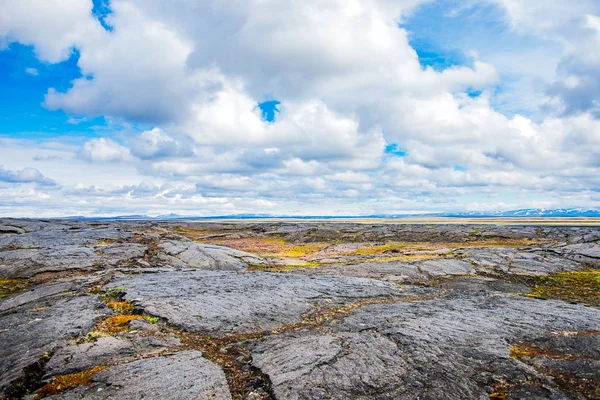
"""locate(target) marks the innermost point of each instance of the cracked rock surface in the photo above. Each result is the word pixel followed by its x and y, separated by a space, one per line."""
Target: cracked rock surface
pixel 182 376
pixel 222 302
pixel 310 310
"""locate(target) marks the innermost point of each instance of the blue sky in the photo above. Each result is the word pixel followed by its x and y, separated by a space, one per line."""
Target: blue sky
pixel 359 107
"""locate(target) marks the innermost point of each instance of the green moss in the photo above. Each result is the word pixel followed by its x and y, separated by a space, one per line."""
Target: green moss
pixel 11 286
pixel 580 287
pixel 113 295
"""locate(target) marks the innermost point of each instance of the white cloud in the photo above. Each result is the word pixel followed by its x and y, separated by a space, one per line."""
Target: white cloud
pixel 32 71
pixel 26 175
pixel 53 27
pixel 104 150
pixel 576 27
pixel 350 83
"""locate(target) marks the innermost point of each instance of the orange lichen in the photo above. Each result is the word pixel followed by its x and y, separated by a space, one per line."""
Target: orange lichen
pixel 120 307
pixel 116 324
pixel 64 382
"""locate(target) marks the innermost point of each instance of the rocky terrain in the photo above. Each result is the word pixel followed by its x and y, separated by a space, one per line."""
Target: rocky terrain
pixel 291 310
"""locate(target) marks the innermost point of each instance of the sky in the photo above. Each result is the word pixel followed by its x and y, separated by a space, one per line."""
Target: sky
pixel 298 107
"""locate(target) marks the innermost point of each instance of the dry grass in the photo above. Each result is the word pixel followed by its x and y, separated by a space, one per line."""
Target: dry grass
pixel 64 382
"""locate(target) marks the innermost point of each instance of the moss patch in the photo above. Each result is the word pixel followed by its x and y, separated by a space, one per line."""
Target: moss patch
pixel 11 286
pixel 120 307
pixel 64 382
pixel 116 324
pixel 580 287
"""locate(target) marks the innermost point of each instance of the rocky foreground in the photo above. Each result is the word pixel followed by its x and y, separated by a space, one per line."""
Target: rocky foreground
pixel 128 310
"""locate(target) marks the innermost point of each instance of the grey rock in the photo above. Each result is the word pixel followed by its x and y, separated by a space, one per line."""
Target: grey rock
pixel 218 302
pixel 208 257
pixel 584 253
pixel 25 263
pixel 534 262
pixel 445 267
pixel 56 235
pixel 533 392
pixel 183 376
pixel 478 283
pixel 105 351
pixel 121 252
pixel 28 262
pixel 541 264
pixel 7 229
pixel 26 334
pixel 345 366
pixel 453 348
pixel 44 292
pixel 143 325
pixel 393 271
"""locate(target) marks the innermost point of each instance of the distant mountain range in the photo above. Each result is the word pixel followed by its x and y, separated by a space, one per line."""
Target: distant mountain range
pixel 525 213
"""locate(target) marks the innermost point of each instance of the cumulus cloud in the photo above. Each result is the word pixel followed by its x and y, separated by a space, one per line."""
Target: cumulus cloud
pixel 155 143
pixel 26 175
pixel 576 26
pixel 104 151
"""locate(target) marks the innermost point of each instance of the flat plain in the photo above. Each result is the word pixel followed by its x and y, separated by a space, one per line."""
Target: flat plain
pixel 300 309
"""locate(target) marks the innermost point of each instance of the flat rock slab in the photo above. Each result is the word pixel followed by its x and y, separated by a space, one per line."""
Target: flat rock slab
pixel 588 253
pixel 30 329
pixel 25 263
pixel 321 366
pixel 185 253
pixel 53 235
pixel 396 271
pixel 392 271
pixel 445 267
pixel 218 303
pixel 482 284
pixel 514 261
pixel 105 351
pixel 453 348
pixel 183 376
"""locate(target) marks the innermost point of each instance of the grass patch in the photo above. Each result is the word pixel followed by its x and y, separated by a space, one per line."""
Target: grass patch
pixel 64 382
pixel 11 286
pixel 580 287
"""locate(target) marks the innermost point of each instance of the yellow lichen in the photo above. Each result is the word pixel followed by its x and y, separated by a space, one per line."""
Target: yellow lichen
pixel 64 382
